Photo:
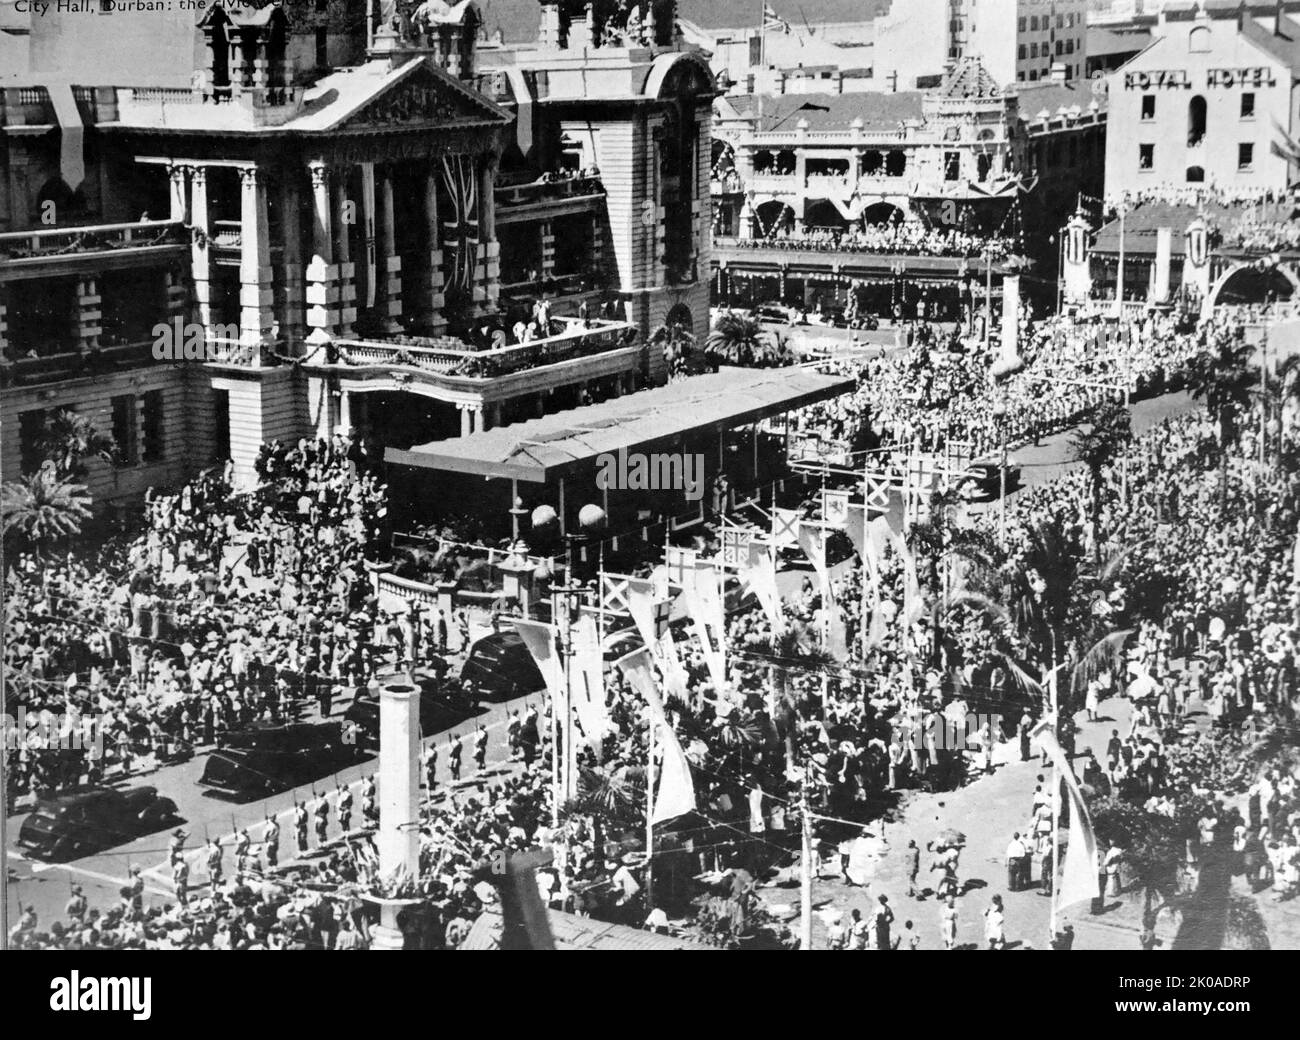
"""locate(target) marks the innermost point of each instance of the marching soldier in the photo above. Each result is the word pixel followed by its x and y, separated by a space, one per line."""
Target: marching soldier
pixel 454 763
pixel 513 728
pixel 300 826
pixel 344 808
pixel 271 839
pixel 214 862
pixel 431 767
pixel 181 881
pixel 322 814
pixel 480 748
pixel 369 806
pixel 242 844
pixel 137 890
pixel 176 847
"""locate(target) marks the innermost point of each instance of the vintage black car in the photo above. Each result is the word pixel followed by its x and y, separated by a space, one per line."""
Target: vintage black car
pixel 265 758
pixel 500 668
pixel 442 705
pixel 82 821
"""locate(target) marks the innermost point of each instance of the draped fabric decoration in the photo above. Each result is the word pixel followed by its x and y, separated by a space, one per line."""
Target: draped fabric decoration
pixel 460 231
pixel 704 607
pixel 587 681
pixel 1078 878
pixel 759 572
pixel 676 794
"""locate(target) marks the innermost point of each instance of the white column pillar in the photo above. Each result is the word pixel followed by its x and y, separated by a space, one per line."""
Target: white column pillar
pixel 89 314
pixel 322 272
pixel 177 176
pixel 343 254
pixel 489 249
pixel 201 248
pixel 437 300
pixel 390 264
pixel 293 318
pixel 399 795
pixel 466 422
pixel 256 298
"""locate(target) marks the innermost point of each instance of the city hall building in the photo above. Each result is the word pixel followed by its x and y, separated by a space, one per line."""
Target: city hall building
pixel 1211 103
pixel 354 211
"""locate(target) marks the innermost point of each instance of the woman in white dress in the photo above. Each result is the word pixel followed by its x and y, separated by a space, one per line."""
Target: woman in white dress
pixel 994 925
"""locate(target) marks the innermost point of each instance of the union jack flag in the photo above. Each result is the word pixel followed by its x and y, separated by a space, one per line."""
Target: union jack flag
pixel 460 232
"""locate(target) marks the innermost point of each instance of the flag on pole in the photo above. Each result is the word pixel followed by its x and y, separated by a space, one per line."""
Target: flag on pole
pixel 835 508
pixel 760 575
pixel 1078 879
pixel 676 794
pixel 771 20
pixel 785 527
pixel 703 606
pixel 587 679
pixel 540 640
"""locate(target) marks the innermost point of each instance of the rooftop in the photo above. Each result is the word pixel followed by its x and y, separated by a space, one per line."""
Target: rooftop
pixel 830 111
pixel 554 445
pixel 1143 222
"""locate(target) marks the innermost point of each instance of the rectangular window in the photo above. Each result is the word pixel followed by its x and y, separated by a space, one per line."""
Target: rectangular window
pixel 1069 45
pixel 31 429
pixel 220 425
pixel 1248 106
pixel 755 51
pixel 1060 47
pixel 1148 107
pixel 1033 23
pixel 1033 50
pixel 154 448
pixel 1020 27
pixel 1245 156
pixel 951 165
pixel 1146 156
pixel 322 49
pixel 1021 53
pixel 124 431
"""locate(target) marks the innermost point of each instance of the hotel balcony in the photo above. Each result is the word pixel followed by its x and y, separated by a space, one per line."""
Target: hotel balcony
pixel 444 368
pixel 55 368
pixel 55 252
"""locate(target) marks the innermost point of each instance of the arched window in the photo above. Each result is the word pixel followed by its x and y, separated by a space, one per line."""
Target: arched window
pixel 1195 175
pixel 1195 121
pixel 1198 40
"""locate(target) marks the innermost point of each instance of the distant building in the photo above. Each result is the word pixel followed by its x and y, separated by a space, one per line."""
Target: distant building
pixel 1210 103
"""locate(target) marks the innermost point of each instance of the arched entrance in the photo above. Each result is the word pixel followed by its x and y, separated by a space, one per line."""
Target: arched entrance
pixel 1247 284
pixel 680 316
pixel 824 214
pixel 881 213
pixel 773 216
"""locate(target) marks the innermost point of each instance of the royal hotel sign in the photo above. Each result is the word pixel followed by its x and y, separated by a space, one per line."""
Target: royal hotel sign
pixel 1179 79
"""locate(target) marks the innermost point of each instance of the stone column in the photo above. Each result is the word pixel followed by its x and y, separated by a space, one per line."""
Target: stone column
pixel 548 248
pixel 292 318
pixel 256 295
pixel 343 255
pixel 466 420
pixel 177 175
pixel 398 841
pixel 488 290
pixel 389 262
pixel 89 315
pixel 201 248
pixel 177 295
pixel 436 299
pixel 4 324
pixel 322 273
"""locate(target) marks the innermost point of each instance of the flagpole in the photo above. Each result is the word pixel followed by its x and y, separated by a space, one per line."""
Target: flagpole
pixel 805 871
pixel 650 815
pixel 1056 814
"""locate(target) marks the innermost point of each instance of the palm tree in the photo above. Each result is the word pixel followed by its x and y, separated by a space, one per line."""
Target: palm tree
pixel 43 508
pixel 677 343
pixel 69 440
pixel 1097 446
pixel 612 796
pixel 1223 378
pixel 739 339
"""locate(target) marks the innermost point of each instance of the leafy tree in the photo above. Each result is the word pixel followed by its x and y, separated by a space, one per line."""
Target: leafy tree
pixel 43 508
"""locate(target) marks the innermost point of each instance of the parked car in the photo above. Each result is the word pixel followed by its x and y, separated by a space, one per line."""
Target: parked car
pixel 266 757
pixel 500 668
pixel 441 706
pixel 777 314
pixel 82 821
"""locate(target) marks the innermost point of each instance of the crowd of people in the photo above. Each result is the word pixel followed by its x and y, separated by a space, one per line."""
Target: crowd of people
pixel 904 238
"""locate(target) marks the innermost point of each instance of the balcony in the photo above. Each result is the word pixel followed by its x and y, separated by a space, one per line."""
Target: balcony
pixel 54 368
pixel 58 251
pixel 444 368
pixel 547 198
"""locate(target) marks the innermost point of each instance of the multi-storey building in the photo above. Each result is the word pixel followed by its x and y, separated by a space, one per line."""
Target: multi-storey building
pixel 967 157
pixel 1019 41
pixel 1211 102
pixel 354 243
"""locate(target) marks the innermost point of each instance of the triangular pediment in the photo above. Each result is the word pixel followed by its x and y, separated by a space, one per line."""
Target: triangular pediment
pixel 419 95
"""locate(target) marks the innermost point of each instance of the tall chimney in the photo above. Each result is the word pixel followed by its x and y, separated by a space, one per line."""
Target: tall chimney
pixel 549 37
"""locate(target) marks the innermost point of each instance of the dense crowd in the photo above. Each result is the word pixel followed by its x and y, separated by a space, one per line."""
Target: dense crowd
pixel 907 238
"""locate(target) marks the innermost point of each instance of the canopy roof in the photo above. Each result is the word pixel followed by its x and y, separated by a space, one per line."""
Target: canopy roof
pixel 543 449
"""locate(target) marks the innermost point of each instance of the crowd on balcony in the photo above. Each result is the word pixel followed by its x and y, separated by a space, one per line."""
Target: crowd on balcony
pixel 905 238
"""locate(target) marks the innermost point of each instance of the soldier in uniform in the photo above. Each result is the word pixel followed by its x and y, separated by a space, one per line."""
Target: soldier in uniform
pixel 431 767
pixel 271 838
pixel 176 847
pixel 214 862
pixel 480 748
pixel 512 734
pixel 242 844
pixel 322 814
pixel 369 806
pixel 454 763
pixel 300 826
pixel 181 881
pixel 343 805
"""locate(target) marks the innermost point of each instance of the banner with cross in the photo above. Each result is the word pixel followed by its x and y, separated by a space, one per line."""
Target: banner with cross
pixel 735 546
pixel 680 564
pixel 956 460
pixel 878 486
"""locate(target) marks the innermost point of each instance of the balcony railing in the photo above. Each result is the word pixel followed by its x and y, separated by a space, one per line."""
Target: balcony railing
pixel 578 339
pixel 547 191
pixel 92 238
pixel 26 371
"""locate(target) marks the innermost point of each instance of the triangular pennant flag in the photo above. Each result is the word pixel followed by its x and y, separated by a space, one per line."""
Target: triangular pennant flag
pixel 1078 880
pixel 676 794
